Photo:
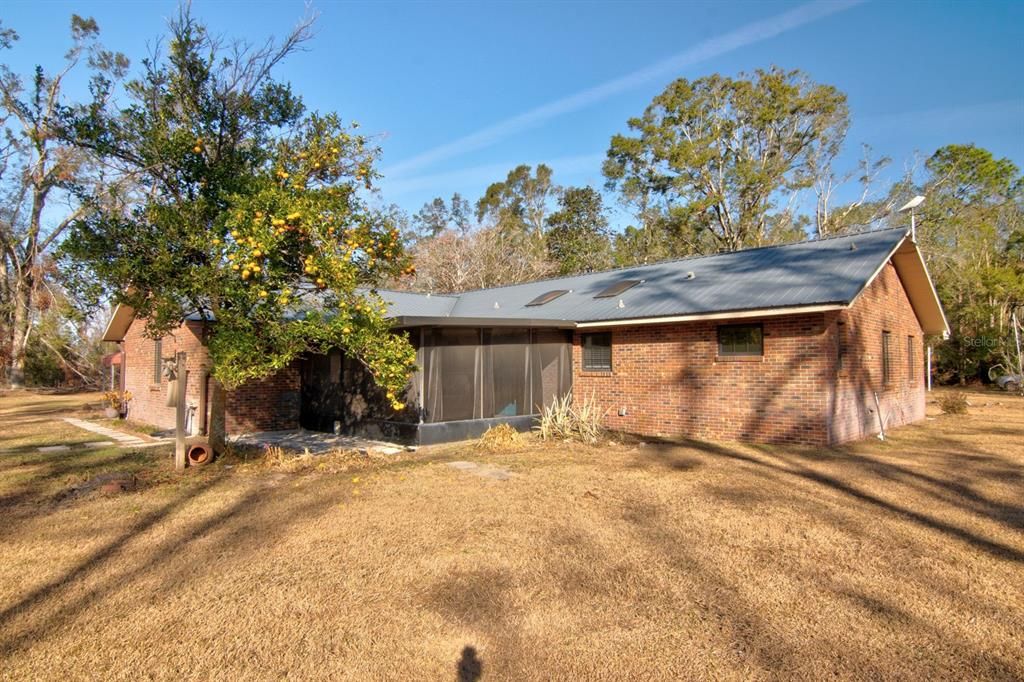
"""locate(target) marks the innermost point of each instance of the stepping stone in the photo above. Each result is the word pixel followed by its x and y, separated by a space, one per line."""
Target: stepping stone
pixel 100 444
pixel 493 473
pixel 496 474
pixel 54 448
pixel 463 466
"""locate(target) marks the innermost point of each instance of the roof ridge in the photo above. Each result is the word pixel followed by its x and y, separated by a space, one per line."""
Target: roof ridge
pixel 679 260
pixel 415 293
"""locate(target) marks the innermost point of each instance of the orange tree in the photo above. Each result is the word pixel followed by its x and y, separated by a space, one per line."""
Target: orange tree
pixel 243 209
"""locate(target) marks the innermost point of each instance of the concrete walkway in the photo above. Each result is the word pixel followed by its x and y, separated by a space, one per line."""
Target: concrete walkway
pixel 120 439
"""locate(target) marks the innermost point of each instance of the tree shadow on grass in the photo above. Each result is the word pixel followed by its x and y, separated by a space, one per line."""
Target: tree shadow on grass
pixel 746 635
pixel 44 489
pixel 46 600
pixel 749 630
pixel 983 665
pixel 788 467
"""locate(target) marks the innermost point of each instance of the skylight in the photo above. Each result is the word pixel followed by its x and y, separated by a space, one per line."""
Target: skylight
pixel 618 288
pixel 547 297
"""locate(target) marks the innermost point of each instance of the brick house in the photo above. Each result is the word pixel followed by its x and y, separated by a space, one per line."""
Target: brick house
pixel 819 343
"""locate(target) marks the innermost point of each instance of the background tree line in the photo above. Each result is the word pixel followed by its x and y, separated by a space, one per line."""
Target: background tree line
pixel 718 164
pixel 712 164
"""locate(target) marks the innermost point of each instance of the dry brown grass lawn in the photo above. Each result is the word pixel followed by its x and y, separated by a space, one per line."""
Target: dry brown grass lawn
pixel 902 559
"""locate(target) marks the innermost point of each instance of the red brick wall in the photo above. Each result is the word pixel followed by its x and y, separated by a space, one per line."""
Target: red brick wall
pixel 883 306
pixel 669 381
pixel 271 404
pixel 149 398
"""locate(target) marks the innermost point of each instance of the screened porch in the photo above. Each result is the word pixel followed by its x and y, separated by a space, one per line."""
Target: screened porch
pixel 491 372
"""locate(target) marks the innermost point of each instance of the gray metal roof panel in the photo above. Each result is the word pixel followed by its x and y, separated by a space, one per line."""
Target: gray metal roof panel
pixel 408 304
pixel 825 271
pixel 808 273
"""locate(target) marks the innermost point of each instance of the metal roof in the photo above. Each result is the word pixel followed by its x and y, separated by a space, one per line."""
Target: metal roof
pixel 772 280
pixel 820 272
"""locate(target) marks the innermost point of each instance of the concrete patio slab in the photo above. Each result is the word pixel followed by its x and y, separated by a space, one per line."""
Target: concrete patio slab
pixel 301 440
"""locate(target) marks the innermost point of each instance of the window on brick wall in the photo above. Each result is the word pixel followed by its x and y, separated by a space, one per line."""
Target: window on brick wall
pixel 841 348
pixel 741 340
pixel 158 361
pixel 597 352
pixel 886 357
pixel 911 360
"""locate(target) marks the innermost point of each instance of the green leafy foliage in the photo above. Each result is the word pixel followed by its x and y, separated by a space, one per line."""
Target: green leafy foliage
pixel 519 203
pixel 970 229
pixel 578 234
pixel 715 155
pixel 241 208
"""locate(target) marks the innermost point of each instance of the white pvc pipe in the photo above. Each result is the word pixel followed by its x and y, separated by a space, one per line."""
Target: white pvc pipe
pixel 929 368
pixel 881 421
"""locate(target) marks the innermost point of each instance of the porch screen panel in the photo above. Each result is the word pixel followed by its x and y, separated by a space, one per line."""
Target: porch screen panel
pixel 506 376
pixel 493 372
pixel 551 367
pixel 452 368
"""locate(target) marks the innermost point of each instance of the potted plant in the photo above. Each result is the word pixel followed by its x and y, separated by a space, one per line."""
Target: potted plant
pixel 116 402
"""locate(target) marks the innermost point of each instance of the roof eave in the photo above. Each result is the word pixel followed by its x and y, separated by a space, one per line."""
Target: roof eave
pixel 118 324
pixel 405 321
pixel 924 299
pixel 717 315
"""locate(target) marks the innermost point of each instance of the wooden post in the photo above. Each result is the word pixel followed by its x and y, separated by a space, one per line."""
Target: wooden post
pixel 179 412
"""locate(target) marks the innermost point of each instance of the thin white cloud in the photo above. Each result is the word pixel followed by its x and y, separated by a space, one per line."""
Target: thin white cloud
pixel 742 37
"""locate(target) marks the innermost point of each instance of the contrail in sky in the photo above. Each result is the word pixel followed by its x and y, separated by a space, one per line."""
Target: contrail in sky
pixel 468 176
pixel 746 35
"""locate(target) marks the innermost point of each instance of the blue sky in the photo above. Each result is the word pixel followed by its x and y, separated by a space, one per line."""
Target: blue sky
pixel 459 93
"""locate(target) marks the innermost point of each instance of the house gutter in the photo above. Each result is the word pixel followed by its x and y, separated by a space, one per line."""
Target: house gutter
pixel 404 321
pixel 727 315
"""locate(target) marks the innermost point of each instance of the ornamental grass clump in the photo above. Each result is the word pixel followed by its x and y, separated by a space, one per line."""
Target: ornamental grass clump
pixel 565 419
pixel 501 437
pixel 953 403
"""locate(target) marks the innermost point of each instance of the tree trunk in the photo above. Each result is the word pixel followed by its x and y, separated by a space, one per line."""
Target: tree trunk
pixel 218 426
pixel 19 336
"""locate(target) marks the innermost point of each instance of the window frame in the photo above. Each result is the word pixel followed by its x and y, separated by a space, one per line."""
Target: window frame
pixel 723 353
pixel 911 359
pixel 886 357
pixel 583 352
pixel 158 361
pixel 842 349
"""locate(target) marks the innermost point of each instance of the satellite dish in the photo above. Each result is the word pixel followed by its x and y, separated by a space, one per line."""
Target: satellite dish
pixel 913 203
